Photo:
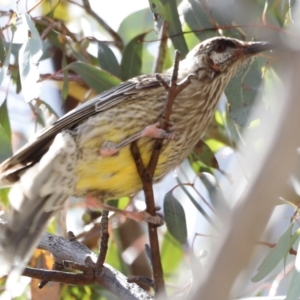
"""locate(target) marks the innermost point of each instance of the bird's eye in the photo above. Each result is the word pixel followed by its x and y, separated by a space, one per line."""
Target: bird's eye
pixel 220 48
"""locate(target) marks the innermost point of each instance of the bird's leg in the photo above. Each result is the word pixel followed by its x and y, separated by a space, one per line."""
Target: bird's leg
pixel 110 148
pixel 139 216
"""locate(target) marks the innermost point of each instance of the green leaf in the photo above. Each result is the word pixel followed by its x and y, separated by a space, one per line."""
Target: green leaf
pixel 2 48
pixel 29 55
pixel 175 218
pixel 241 93
pixel 170 262
pixel 168 11
pixel 65 88
pixel 4 199
pixel 107 59
pixel 197 18
pixel 120 203
pixel 131 63
pixel 294 288
pixel 113 256
pixel 222 15
pixel 6 60
pixel 38 113
pixel 5 149
pixel 4 119
pixel 95 78
pixel 279 252
pixel 128 28
pixel 203 153
pixel 48 50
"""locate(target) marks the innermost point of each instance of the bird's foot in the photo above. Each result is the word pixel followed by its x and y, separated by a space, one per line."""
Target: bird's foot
pixel 143 216
pixel 110 148
pixel 139 216
pixel 155 132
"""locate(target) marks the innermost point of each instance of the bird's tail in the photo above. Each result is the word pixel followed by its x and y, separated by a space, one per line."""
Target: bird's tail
pixel 41 191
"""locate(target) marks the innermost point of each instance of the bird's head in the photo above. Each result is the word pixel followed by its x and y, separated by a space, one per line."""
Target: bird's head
pixel 220 55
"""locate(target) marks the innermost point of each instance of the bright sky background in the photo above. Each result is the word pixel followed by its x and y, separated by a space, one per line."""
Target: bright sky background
pixel 117 8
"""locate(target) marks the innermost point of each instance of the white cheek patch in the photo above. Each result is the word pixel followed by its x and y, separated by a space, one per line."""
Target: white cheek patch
pixel 219 58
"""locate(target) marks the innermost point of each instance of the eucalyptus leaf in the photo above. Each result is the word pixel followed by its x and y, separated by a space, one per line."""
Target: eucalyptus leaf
pixel 65 88
pixel 6 60
pixel 170 262
pixel 29 55
pixel 131 63
pixel 241 93
pixel 277 253
pixel 135 24
pixel 203 153
pixel 5 149
pixel 107 60
pixel 4 192
pixel 294 287
pixel 2 48
pixel 95 78
pixel 175 218
pixel 169 12
pixel 4 119
pixel 198 20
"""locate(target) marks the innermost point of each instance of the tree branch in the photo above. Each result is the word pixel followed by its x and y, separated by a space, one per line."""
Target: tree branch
pixel 73 254
pixel 146 174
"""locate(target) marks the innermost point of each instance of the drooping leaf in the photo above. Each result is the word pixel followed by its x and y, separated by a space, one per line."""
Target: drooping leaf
pixel 175 218
pixel 38 113
pixel 197 18
pixel 6 60
pixel 279 252
pixel 4 192
pixel 4 119
pixel 204 154
pixel 65 88
pixel 2 49
pixel 5 149
pixel 170 262
pixel 294 287
pixel 107 59
pixel 136 24
pixel 95 78
pixel 224 15
pixel 167 10
pixel 215 193
pixel 113 257
pixel 131 63
pixel 29 55
pixel 241 93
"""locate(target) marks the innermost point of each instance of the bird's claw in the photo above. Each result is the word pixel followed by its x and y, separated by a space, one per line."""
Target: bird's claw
pixel 110 148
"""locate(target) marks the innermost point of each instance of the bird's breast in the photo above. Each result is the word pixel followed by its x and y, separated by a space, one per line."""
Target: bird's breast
pixel 116 176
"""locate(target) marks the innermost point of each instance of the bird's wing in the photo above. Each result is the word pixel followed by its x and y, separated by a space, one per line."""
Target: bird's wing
pixel 35 149
pixel 41 191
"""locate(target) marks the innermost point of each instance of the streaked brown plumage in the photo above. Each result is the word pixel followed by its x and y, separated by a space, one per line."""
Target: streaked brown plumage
pixel 122 111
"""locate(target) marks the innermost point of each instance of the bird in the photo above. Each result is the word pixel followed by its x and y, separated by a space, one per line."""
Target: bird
pixel 86 153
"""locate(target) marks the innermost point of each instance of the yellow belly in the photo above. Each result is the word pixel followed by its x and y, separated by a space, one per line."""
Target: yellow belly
pixel 114 176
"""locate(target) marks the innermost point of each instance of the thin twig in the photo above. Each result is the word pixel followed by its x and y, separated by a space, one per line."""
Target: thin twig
pixel 87 7
pixel 146 174
pixel 103 240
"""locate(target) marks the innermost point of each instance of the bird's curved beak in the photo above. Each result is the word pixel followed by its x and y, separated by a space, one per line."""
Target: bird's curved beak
pixel 257 47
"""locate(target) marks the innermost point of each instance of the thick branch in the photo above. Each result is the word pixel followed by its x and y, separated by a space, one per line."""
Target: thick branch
pixel 73 253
